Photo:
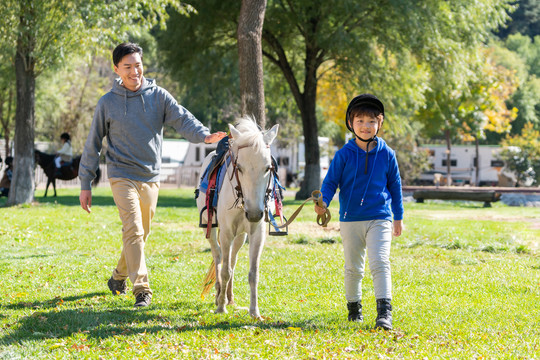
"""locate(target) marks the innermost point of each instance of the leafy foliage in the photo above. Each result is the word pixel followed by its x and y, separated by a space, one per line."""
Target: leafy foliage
pixel 525 20
pixel 521 154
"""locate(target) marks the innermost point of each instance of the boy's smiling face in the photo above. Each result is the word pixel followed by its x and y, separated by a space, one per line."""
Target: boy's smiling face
pixel 365 126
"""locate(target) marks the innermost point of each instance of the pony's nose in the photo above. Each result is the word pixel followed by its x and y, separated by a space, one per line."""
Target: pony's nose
pixel 254 216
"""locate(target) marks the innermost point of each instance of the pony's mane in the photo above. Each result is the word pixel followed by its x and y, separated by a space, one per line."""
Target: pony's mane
pixel 251 135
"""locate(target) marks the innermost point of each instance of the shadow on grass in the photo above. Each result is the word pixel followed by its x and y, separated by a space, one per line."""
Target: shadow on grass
pixel 64 323
pixel 12 257
pixel 53 302
pixel 73 200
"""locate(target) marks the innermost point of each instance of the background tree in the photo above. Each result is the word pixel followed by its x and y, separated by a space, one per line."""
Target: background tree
pixel 525 20
pixel 521 154
pixel 7 98
pixel 527 96
pixel 483 106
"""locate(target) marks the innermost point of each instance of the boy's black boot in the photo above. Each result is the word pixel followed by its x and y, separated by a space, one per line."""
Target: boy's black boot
pixel 355 311
pixel 384 314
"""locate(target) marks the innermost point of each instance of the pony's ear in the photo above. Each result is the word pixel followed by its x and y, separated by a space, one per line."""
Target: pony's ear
pixel 235 133
pixel 271 134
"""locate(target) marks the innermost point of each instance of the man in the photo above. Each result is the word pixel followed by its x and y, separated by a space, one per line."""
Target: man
pixel 131 116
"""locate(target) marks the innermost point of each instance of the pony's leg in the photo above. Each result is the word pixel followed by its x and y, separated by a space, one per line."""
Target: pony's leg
pixel 47 187
pixel 54 186
pixel 225 273
pixel 238 241
pixel 256 244
pixel 216 255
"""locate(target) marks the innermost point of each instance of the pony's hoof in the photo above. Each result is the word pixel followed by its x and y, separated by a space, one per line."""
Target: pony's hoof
pixel 231 303
pixel 256 315
pixel 221 310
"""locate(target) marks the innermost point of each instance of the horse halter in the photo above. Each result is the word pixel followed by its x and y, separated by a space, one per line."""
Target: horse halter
pixel 238 187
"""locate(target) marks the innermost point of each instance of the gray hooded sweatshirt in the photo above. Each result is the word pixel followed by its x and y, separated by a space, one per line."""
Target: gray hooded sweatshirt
pixel 132 122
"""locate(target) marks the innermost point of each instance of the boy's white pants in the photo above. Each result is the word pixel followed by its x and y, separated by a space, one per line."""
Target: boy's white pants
pixel 376 237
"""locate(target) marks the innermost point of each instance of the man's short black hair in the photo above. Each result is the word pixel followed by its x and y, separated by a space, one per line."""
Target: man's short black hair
pixel 125 49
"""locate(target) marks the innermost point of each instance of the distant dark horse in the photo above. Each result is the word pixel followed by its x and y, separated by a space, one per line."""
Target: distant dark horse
pixel 46 161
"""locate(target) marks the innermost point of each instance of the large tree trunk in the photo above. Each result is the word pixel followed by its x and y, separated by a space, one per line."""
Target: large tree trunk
pixel 250 25
pixel 22 183
pixel 6 120
pixel 312 171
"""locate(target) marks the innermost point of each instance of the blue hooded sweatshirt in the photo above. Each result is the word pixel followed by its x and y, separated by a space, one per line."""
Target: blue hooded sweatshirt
pixel 365 196
pixel 132 122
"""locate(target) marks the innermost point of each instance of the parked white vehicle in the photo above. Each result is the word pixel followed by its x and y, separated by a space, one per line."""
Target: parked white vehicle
pixel 463 165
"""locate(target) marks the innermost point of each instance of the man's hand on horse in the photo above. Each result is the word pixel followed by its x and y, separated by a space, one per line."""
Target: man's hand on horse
pixel 215 137
pixel 320 210
pixel 86 200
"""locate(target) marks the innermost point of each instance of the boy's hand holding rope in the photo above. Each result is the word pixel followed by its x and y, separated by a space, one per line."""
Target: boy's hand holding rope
pixel 323 217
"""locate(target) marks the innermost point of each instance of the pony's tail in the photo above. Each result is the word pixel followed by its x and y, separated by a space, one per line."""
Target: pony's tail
pixel 97 178
pixel 209 280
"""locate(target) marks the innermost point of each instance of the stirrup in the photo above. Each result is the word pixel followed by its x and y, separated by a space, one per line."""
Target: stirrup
pixel 201 225
pixel 272 231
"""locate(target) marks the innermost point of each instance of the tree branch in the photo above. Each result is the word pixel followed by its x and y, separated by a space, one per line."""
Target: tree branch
pixel 283 63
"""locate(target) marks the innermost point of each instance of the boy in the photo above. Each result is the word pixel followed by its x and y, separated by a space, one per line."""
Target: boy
pixel 366 171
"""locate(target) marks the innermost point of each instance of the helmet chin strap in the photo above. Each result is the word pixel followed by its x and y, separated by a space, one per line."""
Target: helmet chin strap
pixel 368 141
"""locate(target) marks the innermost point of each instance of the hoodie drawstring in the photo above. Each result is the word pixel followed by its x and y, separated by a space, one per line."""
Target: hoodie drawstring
pixel 125 102
pixel 354 180
pixel 143 106
pixel 370 175
pixel 367 153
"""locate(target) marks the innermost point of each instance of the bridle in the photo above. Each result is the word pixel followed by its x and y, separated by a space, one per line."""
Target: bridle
pixel 238 187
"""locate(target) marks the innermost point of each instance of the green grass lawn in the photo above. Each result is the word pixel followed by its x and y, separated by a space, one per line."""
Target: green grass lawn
pixel 466 285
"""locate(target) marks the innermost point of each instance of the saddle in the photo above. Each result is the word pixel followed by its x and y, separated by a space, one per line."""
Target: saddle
pixel 65 166
pixel 210 184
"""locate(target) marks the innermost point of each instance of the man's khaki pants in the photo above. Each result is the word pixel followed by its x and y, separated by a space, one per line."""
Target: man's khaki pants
pixel 136 202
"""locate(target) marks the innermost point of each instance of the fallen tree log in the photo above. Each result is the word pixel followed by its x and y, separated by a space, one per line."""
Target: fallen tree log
pixel 440 194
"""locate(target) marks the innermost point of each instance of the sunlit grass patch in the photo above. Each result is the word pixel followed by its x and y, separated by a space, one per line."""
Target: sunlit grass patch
pixel 465 285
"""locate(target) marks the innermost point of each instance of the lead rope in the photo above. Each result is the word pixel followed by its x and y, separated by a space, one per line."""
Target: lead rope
pixel 316 197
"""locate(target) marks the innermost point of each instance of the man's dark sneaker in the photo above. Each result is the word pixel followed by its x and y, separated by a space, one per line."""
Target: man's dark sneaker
pixel 143 299
pixel 118 287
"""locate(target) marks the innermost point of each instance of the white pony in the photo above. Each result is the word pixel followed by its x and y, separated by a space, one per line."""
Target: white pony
pixel 240 209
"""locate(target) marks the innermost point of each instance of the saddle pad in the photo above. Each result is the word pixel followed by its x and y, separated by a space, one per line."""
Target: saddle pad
pixel 222 170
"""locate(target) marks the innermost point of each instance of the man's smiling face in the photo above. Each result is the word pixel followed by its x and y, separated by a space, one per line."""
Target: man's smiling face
pixel 130 69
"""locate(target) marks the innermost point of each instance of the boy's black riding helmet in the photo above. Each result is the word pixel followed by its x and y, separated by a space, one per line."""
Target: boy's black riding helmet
pixel 364 99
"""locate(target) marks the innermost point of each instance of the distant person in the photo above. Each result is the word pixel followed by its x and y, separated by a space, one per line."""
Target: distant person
pixel 366 171
pixel 64 156
pixel 5 183
pixel 132 116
